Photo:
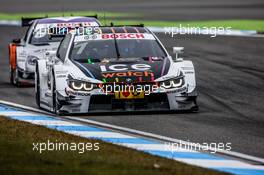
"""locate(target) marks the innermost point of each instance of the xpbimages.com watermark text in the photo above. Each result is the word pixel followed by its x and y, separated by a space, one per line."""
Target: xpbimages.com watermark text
pixel 80 147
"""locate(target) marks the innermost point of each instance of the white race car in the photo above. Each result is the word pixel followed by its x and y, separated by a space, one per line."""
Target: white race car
pixel 112 69
pixel 42 35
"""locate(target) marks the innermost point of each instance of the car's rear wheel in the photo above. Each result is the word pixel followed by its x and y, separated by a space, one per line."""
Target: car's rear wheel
pixel 37 86
pixel 16 78
pixel 11 75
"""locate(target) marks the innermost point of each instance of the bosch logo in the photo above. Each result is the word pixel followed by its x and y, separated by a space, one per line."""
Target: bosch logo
pixel 123 36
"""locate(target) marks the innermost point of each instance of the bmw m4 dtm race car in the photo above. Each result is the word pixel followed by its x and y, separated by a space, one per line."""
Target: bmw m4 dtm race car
pixel 43 34
pixel 112 69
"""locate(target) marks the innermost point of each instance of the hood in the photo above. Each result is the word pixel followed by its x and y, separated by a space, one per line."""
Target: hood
pixel 125 71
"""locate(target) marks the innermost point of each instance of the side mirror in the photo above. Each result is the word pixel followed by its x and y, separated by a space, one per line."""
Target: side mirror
pixel 177 51
pixel 50 54
pixel 16 41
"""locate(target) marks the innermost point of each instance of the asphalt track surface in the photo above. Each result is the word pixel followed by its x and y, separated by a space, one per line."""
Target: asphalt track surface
pixel 230 81
pixel 150 9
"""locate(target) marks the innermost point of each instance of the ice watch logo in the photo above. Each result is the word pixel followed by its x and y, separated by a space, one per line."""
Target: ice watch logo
pixel 124 67
pixel 123 70
pixel 128 74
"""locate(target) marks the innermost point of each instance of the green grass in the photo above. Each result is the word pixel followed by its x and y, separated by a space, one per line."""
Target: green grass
pixel 17 156
pixel 246 24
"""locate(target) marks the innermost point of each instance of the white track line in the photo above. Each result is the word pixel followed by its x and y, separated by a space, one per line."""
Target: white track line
pixel 140 133
pixel 25 107
pixel 51 122
pixel 154 147
pixel 220 163
pixel 100 134
pixel 17 113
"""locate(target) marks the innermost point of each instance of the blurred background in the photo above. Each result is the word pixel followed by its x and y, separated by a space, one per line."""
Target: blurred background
pixel 239 14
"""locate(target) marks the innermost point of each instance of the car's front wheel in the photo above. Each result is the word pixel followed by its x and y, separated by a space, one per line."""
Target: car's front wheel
pixel 54 96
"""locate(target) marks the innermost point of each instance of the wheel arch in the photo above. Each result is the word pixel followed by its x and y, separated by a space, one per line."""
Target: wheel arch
pixel 189 73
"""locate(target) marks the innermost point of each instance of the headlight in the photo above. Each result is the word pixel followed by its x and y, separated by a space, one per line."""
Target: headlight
pixel 32 60
pixel 173 83
pixel 80 85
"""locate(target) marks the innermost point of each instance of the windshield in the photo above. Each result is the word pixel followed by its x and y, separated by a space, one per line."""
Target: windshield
pixel 99 50
pixel 54 32
pixel 45 33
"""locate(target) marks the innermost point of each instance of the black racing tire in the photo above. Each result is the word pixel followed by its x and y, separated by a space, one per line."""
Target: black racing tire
pixel 56 105
pixel 37 86
pixel 11 75
pixel 195 108
pixel 15 78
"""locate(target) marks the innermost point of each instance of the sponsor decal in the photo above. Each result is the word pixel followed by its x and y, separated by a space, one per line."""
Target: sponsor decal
pixel 22 54
pixel 123 70
pixel 128 74
pixel 78 24
pixel 110 36
pixel 21 60
pixel 129 95
pixel 124 67
pixel 61 76
pixel 123 36
pixel 60 72
pixel 187 68
pixel 189 72
pixel 44 50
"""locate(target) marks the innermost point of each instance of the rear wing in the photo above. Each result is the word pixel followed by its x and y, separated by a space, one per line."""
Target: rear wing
pixel 125 25
pixel 25 22
pixel 92 16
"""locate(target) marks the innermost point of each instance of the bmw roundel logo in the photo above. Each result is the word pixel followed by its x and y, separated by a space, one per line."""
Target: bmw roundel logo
pixel 129 80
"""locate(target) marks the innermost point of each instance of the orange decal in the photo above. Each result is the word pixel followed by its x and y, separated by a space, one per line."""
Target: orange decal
pixel 108 75
pixel 128 74
pixel 138 74
pixel 12 56
pixel 121 74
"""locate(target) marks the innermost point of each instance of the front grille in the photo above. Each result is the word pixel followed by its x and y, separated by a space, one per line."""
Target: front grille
pixel 108 103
